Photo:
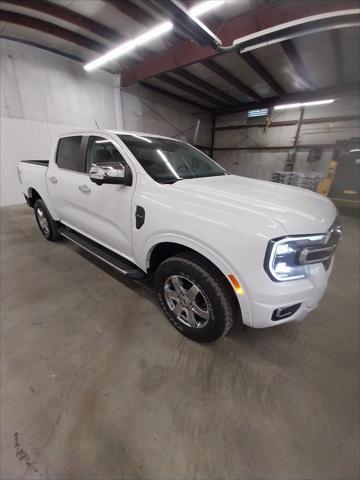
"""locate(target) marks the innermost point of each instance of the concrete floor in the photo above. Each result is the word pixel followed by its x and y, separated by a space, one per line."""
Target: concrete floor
pixel 97 385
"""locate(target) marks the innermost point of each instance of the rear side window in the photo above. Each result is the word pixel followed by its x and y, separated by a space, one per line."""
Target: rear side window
pixel 68 154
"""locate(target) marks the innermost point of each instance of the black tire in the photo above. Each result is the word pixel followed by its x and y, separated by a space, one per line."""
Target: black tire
pixel 213 300
pixel 45 222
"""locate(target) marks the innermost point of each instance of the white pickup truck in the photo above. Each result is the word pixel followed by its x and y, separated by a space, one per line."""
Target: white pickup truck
pixel 220 246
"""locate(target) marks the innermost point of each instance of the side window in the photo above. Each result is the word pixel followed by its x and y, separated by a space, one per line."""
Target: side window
pixel 68 154
pixel 101 150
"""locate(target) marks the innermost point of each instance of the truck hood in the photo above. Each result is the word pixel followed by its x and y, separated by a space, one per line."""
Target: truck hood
pixel 299 211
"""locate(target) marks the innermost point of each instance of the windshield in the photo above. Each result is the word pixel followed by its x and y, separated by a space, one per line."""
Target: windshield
pixel 168 161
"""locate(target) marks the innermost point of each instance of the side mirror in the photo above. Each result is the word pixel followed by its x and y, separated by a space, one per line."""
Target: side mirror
pixel 112 172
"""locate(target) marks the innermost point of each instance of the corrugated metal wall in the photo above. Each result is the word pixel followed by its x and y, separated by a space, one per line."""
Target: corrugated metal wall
pixel 261 164
pixel 44 95
pixel 23 139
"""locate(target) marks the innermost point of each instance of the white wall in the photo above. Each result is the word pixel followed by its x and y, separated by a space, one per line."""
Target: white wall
pixel 43 95
pixel 261 164
pixel 147 111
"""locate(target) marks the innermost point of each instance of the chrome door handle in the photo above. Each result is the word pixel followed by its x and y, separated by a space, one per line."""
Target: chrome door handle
pixel 53 179
pixel 84 189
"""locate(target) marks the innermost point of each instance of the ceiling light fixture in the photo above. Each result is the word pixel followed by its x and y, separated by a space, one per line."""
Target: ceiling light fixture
pixel 129 46
pixel 151 34
pixel 303 104
pixel 205 7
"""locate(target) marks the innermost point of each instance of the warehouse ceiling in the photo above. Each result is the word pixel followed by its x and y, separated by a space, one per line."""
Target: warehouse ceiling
pixel 324 62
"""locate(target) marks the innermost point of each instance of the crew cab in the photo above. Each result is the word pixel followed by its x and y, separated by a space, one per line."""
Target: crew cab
pixel 219 247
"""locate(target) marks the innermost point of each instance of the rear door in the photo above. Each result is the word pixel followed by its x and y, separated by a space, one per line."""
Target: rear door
pixel 64 176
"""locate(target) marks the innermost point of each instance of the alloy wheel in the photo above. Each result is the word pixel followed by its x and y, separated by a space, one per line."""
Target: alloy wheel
pixel 186 301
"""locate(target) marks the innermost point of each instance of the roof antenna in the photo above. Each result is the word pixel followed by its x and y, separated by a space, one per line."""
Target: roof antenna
pixel 96 124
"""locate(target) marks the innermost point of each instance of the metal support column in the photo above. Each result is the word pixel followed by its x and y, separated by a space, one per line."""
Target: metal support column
pixel 290 162
pixel 213 119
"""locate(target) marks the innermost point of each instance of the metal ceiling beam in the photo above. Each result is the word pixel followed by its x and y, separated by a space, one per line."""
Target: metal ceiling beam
pixel 67 15
pixel 191 27
pixel 247 126
pixel 70 16
pixel 290 123
pixel 126 7
pixel 338 57
pixel 209 18
pixel 307 96
pixel 166 93
pixel 262 72
pixel 51 29
pixel 294 58
pixel 230 78
pixel 43 47
pixel 259 18
pixel 205 85
pixel 140 15
pixel 189 89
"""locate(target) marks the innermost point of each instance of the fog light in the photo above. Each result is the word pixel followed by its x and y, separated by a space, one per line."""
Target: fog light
pixel 284 312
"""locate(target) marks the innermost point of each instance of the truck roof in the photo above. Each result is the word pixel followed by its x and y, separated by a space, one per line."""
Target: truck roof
pixel 103 131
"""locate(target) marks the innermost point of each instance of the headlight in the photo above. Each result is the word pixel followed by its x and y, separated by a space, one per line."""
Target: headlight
pixel 287 258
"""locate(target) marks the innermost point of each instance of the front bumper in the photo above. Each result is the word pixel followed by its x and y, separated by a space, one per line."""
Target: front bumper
pixel 308 294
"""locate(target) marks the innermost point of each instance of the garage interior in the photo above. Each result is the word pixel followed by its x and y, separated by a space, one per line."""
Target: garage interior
pixel 108 389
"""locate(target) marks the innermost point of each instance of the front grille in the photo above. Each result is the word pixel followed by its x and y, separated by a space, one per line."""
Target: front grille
pixel 323 253
pixel 335 235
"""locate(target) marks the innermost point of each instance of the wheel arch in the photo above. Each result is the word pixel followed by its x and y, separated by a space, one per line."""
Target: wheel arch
pixel 164 249
pixel 32 196
pixel 35 193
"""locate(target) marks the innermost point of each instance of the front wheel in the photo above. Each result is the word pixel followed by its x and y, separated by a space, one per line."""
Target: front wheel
pixel 194 297
pixel 45 222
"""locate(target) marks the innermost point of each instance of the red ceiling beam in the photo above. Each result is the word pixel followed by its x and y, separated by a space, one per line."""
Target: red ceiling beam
pixel 259 18
pixel 51 29
pixel 67 15
pixel 43 47
pixel 74 18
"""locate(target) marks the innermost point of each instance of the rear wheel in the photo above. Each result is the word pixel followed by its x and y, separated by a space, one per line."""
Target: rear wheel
pixel 45 222
pixel 194 297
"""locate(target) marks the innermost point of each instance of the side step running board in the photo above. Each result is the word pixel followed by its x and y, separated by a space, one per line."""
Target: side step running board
pixel 118 263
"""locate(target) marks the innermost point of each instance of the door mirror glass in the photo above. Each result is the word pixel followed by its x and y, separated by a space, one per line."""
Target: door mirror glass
pixel 110 172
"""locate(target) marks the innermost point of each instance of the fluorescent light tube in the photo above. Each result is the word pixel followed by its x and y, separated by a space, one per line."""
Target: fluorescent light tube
pixel 151 34
pixel 168 164
pixel 303 104
pixel 204 7
pixel 127 47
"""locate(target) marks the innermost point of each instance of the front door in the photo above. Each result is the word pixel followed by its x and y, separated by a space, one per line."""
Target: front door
pixel 107 209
